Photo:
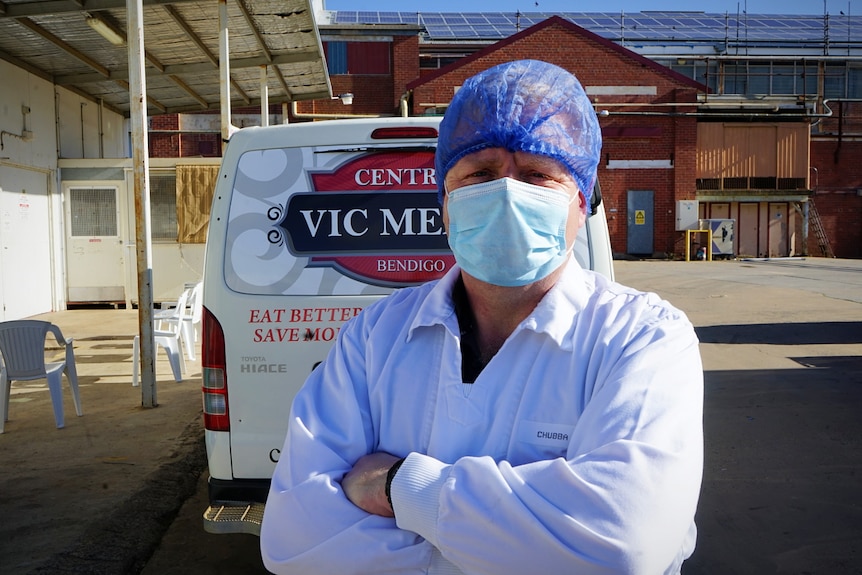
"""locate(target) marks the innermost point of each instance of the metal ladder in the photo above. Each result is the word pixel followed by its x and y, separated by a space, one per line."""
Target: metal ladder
pixel 822 239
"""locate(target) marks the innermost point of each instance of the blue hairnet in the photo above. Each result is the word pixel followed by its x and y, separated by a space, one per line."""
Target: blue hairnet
pixel 522 106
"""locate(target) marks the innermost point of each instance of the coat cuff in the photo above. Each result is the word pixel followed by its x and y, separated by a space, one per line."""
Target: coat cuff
pixel 416 494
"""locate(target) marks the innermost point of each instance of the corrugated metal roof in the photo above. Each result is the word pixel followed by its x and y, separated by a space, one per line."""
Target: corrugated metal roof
pixel 51 38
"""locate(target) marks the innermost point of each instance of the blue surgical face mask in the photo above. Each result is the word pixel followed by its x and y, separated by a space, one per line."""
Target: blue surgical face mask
pixel 507 232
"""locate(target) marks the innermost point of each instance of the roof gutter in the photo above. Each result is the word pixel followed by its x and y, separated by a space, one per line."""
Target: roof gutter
pixel 603 111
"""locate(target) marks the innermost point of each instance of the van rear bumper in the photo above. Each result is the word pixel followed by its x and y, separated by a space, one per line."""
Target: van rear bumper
pixel 236 506
pixel 232 490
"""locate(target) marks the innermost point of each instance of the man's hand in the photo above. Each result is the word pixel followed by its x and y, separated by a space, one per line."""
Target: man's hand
pixel 365 484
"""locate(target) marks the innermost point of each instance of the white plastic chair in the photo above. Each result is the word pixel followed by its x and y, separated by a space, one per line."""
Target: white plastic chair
pixel 22 346
pixel 192 321
pixel 173 314
pixel 167 338
pixel 187 315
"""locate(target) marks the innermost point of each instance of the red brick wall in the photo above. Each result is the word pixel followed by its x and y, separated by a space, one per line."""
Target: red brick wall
pixel 164 145
pixel 837 181
pixel 405 64
pixel 184 145
pixel 165 122
pixel 200 144
pixel 372 94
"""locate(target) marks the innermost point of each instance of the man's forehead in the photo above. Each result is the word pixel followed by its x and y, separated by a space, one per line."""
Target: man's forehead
pixel 497 155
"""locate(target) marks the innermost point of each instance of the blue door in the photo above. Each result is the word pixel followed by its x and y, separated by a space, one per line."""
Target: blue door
pixel 640 212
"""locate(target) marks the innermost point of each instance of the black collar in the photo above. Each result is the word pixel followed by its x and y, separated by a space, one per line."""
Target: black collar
pixel 471 359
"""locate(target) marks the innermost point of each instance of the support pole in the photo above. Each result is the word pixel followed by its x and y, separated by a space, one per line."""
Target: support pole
pixel 141 165
pixel 224 70
pixel 264 98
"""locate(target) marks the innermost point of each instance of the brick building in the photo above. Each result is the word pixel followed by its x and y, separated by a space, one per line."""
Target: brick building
pixel 654 154
pixel 783 166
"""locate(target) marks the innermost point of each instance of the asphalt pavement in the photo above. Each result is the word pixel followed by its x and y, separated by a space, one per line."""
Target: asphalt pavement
pixel 118 490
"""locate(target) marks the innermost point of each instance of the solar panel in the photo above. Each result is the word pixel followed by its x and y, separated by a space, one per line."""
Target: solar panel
pixel 454 19
pixel 346 17
pixel 672 26
pixel 584 22
pixel 642 21
pixel 711 22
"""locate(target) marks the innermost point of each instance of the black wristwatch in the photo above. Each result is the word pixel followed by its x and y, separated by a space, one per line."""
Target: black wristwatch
pixel 390 475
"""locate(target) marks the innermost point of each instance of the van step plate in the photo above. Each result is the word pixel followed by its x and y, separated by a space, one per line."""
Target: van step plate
pixel 241 518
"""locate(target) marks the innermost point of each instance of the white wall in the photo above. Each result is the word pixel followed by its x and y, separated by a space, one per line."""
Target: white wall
pixel 20 88
pixel 30 250
pixel 32 231
pixel 79 126
pixel 69 132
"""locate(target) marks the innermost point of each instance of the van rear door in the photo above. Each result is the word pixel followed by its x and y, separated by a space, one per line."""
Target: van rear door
pixel 310 224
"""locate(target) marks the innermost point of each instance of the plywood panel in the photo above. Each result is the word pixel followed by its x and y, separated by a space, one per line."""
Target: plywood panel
pixel 793 144
pixel 762 151
pixel 710 148
pixel 752 151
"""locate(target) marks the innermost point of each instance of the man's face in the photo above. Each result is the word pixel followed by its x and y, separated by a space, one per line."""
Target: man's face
pixel 495 163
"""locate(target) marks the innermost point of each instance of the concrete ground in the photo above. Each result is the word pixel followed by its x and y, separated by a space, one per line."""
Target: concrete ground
pixel 781 342
pixel 97 495
pixel 782 348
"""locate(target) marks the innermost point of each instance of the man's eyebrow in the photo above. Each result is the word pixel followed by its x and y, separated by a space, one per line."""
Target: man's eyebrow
pixel 535 160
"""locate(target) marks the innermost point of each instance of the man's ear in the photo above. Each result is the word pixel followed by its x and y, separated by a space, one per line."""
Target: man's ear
pixel 582 202
pixel 582 209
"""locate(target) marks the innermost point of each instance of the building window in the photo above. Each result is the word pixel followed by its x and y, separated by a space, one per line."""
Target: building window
pixel 758 79
pixel 163 207
pixel 784 79
pixel 431 62
pixel 735 79
pixel 93 212
pixel 704 72
pixel 854 81
pixel 810 76
pixel 355 58
pixel 834 81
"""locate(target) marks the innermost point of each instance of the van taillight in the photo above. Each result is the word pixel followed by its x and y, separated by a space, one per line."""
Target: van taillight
pixel 401 132
pixel 216 415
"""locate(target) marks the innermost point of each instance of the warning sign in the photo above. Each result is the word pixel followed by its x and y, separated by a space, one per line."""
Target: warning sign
pixel 640 217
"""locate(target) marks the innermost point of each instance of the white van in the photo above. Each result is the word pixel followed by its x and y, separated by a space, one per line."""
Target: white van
pixel 310 223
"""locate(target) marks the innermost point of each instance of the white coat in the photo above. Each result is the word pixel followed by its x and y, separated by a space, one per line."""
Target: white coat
pixel 578 449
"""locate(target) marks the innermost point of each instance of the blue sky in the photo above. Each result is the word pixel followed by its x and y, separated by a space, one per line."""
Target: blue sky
pixel 833 7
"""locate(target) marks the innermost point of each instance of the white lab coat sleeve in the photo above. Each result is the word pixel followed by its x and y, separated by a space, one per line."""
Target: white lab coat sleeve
pixel 309 525
pixel 622 501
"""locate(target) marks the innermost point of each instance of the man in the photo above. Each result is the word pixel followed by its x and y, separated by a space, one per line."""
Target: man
pixel 520 415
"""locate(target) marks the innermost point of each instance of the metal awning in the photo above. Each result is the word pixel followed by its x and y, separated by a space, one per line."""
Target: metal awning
pixel 53 39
